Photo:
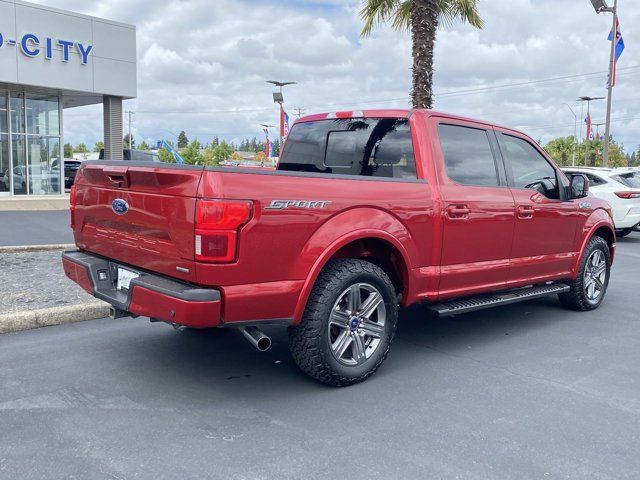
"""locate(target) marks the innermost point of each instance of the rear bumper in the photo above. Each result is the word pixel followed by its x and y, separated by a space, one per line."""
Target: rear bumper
pixel 627 217
pixel 148 295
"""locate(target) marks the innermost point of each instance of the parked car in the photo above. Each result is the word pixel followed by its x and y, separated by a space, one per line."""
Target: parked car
pixel 619 187
pixel 366 212
pixel 5 183
pixel 20 179
pixel 136 155
pixel 70 169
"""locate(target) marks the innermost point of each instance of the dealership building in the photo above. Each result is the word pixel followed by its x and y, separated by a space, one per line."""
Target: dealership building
pixel 52 60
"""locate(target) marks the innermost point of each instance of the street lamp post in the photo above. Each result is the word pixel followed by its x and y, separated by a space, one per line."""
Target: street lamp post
pixel 601 6
pixel 588 100
pixel 279 99
pixel 575 131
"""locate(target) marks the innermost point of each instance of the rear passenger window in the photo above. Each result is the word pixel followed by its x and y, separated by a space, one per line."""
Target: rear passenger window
pixel 371 147
pixel 594 180
pixel 468 156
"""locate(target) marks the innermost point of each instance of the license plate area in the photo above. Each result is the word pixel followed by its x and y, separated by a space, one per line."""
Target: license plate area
pixel 124 278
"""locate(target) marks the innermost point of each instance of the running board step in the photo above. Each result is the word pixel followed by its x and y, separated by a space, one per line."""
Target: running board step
pixel 480 302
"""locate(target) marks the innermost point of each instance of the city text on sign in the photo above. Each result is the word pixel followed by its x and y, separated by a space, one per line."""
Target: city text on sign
pixel 32 46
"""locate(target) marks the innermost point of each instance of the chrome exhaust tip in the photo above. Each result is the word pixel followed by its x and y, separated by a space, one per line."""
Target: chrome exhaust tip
pixel 257 338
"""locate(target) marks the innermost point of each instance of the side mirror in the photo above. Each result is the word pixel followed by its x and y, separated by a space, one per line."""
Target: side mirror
pixel 578 186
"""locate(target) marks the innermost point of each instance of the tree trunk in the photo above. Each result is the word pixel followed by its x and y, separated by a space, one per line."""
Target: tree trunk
pixel 424 24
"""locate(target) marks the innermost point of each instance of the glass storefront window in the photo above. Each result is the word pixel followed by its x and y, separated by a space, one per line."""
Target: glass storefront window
pixel 5 164
pixel 17 113
pixel 4 118
pixel 44 165
pixel 19 165
pixel 42 115
pixel 30 159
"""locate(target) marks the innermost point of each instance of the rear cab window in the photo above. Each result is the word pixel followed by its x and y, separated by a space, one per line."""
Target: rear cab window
pixel 368 147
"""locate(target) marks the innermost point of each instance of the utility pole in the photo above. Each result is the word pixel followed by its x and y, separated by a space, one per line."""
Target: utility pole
pixel 130 113
pixel 299 111
pixel 601 6
pixel 612 66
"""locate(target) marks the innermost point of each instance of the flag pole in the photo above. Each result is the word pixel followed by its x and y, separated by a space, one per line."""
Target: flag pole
pixel 612 62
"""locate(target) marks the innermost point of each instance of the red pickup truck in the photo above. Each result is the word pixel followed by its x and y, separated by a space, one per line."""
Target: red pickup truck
pixel 367 212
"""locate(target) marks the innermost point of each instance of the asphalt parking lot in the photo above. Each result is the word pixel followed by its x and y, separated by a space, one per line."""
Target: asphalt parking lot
pixel 529 391
pixel 35 228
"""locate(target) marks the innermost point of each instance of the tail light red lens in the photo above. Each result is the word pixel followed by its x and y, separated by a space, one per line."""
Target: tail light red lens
pixel 217 225
pixel 628 195
pixel 72 205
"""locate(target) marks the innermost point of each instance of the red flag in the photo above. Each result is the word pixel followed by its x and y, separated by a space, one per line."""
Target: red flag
pixel 588 122
pixel 282 114
pixel 268 152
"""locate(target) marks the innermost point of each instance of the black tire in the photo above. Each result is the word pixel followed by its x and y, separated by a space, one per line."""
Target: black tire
pixel 310 342
pixel 624 232
pixel 577 298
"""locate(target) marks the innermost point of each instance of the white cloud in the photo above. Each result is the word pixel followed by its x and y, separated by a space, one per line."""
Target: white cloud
pixel 199 56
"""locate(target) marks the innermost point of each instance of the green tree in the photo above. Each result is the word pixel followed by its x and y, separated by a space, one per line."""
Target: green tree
pixel 617 158
pixel 216 154
pixel 68 150
pixel 126 141
pixel 143 146
pixel 192 154
pixel 422 18
pixel 98 146
pixel 183 141
pixel 81 148
pixel 561 150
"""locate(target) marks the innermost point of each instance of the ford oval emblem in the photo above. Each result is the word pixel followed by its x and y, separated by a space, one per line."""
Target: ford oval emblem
pixel 119 206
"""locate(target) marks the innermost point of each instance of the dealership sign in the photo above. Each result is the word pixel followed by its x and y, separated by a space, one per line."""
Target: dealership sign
pixel 33 46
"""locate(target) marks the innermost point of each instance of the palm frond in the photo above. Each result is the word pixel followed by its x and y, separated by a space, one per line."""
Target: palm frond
pixel 466 11
pixel 378 11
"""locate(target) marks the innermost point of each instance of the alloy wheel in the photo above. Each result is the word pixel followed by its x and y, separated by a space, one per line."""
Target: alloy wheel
pixel 595 276
pixel 357 324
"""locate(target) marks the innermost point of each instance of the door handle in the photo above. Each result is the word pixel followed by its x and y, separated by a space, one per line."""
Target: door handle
pixel 458 212
pixel 525 211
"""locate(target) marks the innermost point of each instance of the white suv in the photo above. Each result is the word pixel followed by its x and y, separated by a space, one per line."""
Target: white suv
pixel 621 188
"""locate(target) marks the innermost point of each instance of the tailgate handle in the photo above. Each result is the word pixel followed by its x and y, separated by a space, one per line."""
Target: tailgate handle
pixel 119 177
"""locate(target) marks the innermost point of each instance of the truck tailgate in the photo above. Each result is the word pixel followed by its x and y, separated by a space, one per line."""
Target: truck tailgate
pixel 140 215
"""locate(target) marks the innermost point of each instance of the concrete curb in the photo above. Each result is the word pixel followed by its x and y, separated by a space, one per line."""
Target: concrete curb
pixel 13 204
pixel 45 317
pixel 36 248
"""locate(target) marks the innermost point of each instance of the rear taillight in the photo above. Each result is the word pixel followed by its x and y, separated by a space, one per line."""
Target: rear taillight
pixel 72 205
pixel 217 225
pixel 628 195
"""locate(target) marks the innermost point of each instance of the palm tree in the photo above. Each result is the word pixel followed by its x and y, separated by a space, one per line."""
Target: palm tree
pixel 561 149
pixel 422 18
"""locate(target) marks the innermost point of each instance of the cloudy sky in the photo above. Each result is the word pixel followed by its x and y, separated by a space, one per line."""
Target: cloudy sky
pixel 202 65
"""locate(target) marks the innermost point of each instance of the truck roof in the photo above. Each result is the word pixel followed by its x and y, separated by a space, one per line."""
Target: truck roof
pixel 393 113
